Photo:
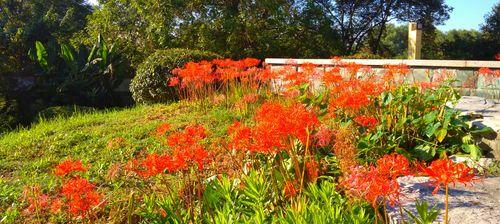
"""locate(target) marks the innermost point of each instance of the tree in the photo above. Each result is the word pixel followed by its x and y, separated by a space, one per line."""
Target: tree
pixel 491 32
pixel 24 22
pixel 360 18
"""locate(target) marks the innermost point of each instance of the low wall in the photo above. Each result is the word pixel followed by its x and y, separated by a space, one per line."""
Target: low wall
pixel 468 82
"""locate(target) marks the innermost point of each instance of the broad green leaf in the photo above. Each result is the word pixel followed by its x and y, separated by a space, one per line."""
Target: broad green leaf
pixel 441 134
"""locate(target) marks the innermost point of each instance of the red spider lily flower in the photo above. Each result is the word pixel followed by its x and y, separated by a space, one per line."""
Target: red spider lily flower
pixel 174 81
pixel 485 71
pixel 309 69
pixel 186 151
pixel 250 98
pixel 251 62
pixel 153 165
pixel 276 125
pixel 377 184
pixel 80 196
pixel 312 169
pixel 332 77
pixel 366 121
pixel 323 136
pixel 497 56
pixel 392 70
pixel 240 136
pixel 368 183
pixel 445 171
pixel 393 166
pixel 196 74
pixel 293 78
pixel 190 135
pixel 441 75
pixel 69 166
pixel 265 75
pixel 291 93
pixel 290 190
pixel 162 129
pixel 352 68
pixel 354 94
pixel 428 85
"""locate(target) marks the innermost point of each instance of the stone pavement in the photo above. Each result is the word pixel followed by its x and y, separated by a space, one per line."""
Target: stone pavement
pixel 476 204
pixel 488 114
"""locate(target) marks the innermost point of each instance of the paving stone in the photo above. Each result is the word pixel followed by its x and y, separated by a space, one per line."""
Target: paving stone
pixel 476 204
pixel 489 111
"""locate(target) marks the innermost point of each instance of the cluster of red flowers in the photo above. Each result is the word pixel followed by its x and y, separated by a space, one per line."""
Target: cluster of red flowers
pixel 312 168
pixel 198 74
pixel 276 126
pixel 332 77
pixel 69 166
pixel 445 171
pixel 392 71
pixel 186 150
pixel 355 94
pixel 323 136
pixel 377 184
pixel 366 121
pixel 162 129
pixel 289 189
pixel 78 194
pixel 489 74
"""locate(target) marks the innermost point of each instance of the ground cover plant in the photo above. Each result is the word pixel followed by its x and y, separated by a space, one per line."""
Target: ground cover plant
pixel 245 144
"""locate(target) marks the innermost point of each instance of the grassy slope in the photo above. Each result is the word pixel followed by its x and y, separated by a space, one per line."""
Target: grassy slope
pixel 28 156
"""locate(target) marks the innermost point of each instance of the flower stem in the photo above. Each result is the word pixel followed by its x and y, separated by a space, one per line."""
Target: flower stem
pixel 446 206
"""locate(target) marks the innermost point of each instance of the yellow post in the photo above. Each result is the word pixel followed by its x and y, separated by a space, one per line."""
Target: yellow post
pixel 414 41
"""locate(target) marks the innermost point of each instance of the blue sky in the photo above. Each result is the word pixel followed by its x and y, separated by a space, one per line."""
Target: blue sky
pixel 466 14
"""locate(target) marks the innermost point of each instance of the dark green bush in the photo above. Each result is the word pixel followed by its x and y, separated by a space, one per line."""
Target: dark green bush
pixel 150 85
pixel 9 114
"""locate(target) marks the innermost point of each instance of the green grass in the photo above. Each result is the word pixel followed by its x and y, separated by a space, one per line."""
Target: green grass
pixel 28 156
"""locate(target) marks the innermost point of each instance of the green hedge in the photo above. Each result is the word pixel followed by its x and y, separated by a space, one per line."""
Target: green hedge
pixel 150 85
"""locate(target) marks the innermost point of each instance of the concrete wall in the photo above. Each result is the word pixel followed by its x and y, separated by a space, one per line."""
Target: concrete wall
pixel 469 83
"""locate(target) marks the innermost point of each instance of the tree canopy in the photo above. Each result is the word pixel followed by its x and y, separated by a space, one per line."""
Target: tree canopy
pixel 24 22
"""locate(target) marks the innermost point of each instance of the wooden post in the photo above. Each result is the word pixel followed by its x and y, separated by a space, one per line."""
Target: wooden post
pixel 414 40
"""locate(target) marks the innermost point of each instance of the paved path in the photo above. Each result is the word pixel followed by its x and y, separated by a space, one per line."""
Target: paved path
pixel 489 116
pixel 479 204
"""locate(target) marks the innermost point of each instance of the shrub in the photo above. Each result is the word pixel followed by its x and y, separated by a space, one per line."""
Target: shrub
pixel 9 114
pixel 150 83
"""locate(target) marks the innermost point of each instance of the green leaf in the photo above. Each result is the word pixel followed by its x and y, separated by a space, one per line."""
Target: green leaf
pixel 67 53
pixel 387 99
pixel 424 152
pixel 431 129
pixel 473 150
pixel 430 117
pixel 42 55
pixel 483 131
pixel 441 134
